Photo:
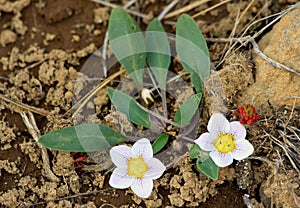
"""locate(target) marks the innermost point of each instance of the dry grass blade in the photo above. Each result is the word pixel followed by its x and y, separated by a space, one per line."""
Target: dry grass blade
pixel 211 8
pixel 271 61
pixel 276 19
pixel 288 152
pixel 226 51
pixel 244 40
pixel 35 133
pixel 254 21
pixel 186 8
pixel 291 114
pixel 159 116
pixel 293 151
pixel 279 16
pixel 128 4
pixel 88 96
pixel 238 19
pixel 167 9
pixel 104 52
pixel 288 180
pixel 25 106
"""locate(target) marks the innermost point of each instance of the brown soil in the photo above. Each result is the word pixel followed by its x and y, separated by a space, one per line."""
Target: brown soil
pixel 43 47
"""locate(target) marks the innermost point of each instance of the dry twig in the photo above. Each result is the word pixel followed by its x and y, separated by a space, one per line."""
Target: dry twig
pixel 167 9
pixel 284 147
pixel 249 39
pixel 185 8
pixel 159 116
pixel 245 40
pixel 271 61
pixel 288 181
pixel 211 8
pixel 88 96
pixel 25 106
pixel 34 131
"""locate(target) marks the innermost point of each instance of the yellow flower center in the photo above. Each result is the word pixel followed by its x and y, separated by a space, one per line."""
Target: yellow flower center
pixel 137 167
pixel 225 143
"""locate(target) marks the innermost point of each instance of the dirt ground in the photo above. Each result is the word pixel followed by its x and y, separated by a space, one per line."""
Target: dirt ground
pixel 43 47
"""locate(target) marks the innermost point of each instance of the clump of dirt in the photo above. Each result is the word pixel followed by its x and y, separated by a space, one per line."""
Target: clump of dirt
pixel 10 167
pixel 15 26
pixel 236 75
pixel 7 135
pixel 7 36
pixel 54 82
pixel 227 86
pixel 189 188
pixel 279 189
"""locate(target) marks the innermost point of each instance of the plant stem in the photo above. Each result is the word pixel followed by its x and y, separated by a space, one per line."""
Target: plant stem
pixel 159 116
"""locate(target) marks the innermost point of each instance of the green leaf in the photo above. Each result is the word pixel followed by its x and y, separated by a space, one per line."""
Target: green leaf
pixel 192 50
pixel 159 143
pixel 129 106
pixel 128 44
pixel 197 82
pixel 208 168
pixel 195 151
pixel 82 138
pixel 188 109
pixel 158 51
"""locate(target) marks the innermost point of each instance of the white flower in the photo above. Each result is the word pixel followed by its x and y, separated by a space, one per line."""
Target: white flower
pixel 136 168
pixel 225 141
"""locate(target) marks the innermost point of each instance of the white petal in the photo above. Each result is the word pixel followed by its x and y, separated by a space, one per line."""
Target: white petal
pixel 119 179
pixel 238 130
pixel 243 149
pixel 142 148
pixel 156 168
pixel 120 154
pixel 221 160
pixel 142 187
pixel 218 124
pixel 205 141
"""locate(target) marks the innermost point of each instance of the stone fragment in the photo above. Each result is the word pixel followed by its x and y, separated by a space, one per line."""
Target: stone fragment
pixel 274 85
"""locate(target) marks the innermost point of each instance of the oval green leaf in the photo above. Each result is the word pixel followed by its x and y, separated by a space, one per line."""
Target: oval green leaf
pixel 82 138
pixel 195 151
pixel 158 51
pixel 188 109
pixel 129 107
pixel 159 143
pixel 128 44
pixel 208 168
pixel 192 50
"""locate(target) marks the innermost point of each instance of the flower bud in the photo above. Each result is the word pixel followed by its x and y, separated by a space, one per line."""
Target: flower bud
pixel 147 95
pixel 246 115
